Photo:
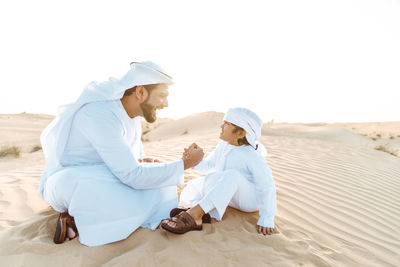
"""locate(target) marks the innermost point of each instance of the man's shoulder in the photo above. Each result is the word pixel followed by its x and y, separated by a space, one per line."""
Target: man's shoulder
pixel 98 109
pixel 99 105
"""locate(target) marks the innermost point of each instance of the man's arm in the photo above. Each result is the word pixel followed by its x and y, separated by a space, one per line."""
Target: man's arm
pixel 103 128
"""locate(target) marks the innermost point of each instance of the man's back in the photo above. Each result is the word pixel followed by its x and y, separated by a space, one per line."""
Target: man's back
pixel 80 150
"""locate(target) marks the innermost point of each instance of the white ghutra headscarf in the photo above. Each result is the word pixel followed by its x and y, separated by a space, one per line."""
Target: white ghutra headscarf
pixel 251 123
pixel 54 137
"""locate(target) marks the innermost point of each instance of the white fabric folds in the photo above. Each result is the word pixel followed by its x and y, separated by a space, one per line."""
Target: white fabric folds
pixel 55 135
pixel 237 176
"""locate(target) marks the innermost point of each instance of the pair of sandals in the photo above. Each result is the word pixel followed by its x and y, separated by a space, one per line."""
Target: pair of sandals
pixel 64 221
pixel 184 222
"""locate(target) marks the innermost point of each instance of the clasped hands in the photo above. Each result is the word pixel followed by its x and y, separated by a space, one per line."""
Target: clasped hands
pixel 192 156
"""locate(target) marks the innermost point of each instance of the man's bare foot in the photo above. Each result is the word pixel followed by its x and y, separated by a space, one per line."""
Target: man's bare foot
pixel 70 233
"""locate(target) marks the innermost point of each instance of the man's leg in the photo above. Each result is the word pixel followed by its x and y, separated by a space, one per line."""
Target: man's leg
pixel 105 209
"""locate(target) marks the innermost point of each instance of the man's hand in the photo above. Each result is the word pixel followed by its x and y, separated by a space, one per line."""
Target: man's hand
pixel 185 154
pixel 149 160
pixel 192 156
pixel 265 230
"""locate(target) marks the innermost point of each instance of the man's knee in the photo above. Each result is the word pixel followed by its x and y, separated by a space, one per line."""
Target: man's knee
pixel 233 174
pixel 59 189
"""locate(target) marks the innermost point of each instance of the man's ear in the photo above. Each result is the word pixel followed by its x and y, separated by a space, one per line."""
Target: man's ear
pixel 141 93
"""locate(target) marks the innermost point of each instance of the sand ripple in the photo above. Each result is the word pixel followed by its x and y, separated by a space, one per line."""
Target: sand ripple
pixel 337 206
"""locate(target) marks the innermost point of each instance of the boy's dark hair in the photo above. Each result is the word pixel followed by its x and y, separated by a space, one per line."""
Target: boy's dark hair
pixel 241 141
pixel 149 88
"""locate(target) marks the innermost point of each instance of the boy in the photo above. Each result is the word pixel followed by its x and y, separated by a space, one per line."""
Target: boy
pixel 237 176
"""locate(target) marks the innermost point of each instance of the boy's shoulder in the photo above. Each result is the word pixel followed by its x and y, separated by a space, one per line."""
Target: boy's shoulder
pixel 249 153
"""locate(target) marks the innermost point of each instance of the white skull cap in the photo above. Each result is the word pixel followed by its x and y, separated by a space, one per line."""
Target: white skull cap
pixel 248 120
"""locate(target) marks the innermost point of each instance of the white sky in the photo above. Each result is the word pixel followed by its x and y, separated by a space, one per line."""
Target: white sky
pixel 288 60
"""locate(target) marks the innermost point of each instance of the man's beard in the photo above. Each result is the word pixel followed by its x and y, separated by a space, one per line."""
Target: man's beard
pixel 148 113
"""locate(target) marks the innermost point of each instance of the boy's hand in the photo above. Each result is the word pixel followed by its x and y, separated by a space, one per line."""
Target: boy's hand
pixel 265 230
pixel 185 154
pixel 192 156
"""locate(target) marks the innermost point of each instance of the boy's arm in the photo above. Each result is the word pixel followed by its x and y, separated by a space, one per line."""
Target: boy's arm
pixel 266 192
pixel 207 165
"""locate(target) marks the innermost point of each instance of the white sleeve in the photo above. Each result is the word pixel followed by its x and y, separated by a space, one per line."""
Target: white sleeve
pixel 266 191
pixel 104 131
pixel 207 165
pixel 141 150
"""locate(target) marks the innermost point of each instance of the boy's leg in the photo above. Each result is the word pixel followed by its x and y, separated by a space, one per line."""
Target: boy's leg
pixel 219 191
pixel 220 195
pixel 246 198
pixel 196 189
pixel 192 193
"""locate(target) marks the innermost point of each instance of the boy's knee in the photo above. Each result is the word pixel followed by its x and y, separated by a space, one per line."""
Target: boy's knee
pixel 233 175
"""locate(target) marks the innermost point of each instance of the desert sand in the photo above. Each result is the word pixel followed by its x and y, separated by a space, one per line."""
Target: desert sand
pixel 338 190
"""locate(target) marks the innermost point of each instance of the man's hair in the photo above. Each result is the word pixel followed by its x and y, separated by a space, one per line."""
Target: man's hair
pixel 149 88
pixel 241 141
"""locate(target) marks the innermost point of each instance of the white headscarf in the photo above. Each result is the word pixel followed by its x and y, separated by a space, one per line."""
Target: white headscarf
pixel 54 137
pixel 250 122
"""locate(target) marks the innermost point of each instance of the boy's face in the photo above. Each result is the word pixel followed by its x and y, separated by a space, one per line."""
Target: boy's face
pixel 228 135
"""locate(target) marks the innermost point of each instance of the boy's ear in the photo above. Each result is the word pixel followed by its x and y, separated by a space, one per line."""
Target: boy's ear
pixel 242 134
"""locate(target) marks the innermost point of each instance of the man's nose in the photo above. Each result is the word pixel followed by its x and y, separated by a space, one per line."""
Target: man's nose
pixel 163 104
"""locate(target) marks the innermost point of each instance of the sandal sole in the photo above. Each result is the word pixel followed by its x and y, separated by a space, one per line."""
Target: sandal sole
pixel 61 231
pixel 182 231
pixel 205 219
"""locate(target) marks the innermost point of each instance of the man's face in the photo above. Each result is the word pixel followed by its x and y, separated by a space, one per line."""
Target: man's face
pixel 157 99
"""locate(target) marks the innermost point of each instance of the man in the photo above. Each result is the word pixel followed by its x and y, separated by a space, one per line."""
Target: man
pixel 96 173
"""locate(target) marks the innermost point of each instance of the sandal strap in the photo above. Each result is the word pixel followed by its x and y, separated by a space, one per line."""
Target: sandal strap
pixel 185 219
pixel 70 221
pixel 184 222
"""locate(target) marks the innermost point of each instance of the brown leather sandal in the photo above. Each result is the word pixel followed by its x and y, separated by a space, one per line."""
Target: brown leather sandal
pixel 175 211
pixel 64 220
pixel 183 223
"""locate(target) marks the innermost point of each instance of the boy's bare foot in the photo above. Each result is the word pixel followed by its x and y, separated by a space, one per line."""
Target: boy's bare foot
pixel 197 213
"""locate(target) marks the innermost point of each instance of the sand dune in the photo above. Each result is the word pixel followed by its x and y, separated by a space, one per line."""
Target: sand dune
pixel 386 135
pixel 22 130
pixel 195 124
pixel 338 201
